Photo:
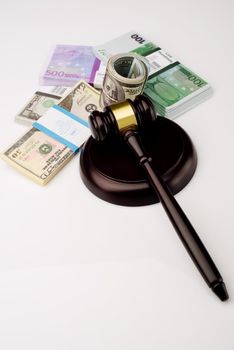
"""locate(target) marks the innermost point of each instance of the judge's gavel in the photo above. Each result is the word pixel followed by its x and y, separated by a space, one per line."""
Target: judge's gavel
pixel 124 120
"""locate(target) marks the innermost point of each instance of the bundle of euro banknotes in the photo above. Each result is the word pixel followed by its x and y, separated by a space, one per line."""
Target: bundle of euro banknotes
pixel 172 87
pixel 71 82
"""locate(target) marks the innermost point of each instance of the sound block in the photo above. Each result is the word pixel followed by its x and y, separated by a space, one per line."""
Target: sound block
pixel 110 171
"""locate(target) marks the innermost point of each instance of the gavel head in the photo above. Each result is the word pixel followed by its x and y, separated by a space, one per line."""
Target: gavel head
pixel 119 117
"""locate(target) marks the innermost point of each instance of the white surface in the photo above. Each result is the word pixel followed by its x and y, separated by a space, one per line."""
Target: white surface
pixel 79 273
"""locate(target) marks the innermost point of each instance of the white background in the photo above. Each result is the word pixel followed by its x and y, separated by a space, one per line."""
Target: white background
pixel 77 272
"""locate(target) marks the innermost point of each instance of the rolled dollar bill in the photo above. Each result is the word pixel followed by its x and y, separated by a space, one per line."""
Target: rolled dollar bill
pixel 125 77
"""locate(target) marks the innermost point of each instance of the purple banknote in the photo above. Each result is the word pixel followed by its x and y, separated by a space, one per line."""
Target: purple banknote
pixel 69 63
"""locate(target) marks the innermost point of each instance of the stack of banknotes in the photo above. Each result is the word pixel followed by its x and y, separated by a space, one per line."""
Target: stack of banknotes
pixel 172 87
pixel 69 63
pixel 41 101
pixel 72 78
pixel 56 134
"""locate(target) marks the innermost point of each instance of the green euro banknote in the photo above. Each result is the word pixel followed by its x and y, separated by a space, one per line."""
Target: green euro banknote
pixel 128 42
pixel 173 85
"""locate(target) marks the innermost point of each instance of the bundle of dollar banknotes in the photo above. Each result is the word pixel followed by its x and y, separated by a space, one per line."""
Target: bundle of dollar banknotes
pixel 73 84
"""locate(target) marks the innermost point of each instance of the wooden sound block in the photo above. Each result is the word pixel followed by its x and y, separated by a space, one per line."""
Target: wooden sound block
pixel 109 169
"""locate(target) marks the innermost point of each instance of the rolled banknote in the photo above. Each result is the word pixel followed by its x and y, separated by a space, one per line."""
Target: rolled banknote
pixel 125 78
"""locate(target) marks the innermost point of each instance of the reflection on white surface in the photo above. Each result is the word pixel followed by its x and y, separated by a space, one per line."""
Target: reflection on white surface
pixel 115 305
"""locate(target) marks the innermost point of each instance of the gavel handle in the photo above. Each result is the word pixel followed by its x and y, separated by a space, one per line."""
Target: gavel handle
pixel 179 220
